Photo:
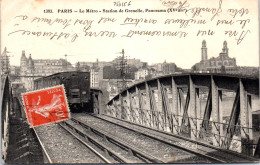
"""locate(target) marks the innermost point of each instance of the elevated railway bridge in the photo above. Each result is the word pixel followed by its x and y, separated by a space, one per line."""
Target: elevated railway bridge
pixel 196 106
pixel 210 109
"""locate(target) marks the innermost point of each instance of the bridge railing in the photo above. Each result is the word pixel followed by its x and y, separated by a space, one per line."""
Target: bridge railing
pixel 173 104
pixel 169 123
pixel 6 108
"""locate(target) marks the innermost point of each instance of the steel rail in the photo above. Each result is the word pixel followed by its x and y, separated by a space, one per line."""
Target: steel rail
pixel 43 147
pixel 95 142
pixel 149 134
pixel 122 144
pixel 166 142
pixel 85 144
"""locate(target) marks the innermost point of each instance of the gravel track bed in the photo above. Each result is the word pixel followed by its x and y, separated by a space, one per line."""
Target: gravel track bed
pixel 97 149
pixel 63 148
pixel 115 148
pixel 158 149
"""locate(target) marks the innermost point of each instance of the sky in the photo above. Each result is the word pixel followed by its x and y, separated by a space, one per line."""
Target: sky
pixel 183 51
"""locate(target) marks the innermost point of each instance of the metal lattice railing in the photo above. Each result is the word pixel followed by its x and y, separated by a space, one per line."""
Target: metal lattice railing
pixel 164 122
pixel 172 104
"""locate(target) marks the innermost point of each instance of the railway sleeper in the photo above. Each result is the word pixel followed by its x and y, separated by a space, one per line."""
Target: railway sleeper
pixel 106 149
pixel 22 142
pixel 85 143
pixel 135 150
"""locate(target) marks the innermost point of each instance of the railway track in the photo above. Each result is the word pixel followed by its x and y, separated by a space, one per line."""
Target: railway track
pixel 116 150
pixel 209 152
pixel 60 147
pixel 48 136
pixel 47 158
pixel 76 135
pixel 164 153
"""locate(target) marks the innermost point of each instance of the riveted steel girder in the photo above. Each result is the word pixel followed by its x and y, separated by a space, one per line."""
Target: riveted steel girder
pixel 245 120
pixel 194 109
pixel 176 112
pixel 175 103
pixel 217 118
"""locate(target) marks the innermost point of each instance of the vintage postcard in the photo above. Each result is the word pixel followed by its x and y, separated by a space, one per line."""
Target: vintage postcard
pixel 132 81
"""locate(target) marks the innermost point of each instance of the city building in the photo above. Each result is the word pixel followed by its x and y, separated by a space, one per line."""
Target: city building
pixel 248 70
pixel 43 67
pixel 95 69
pixel 221 64
pixel 135 62
pixel 5 63
pixel 31 69
pixel 98 63
pixel 27 71
pixel 46 67
pixel 113 86
pixel 130 62
pixel 15 70
pixel 168 68
pixel 141 74
pixel 96 75
pixel 164 68
pixel 82 67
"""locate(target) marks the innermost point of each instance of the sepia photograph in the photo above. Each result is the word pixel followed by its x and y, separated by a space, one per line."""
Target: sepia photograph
pixel 130 82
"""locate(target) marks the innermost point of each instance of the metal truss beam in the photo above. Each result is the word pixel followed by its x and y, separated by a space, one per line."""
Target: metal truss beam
pixel 174 104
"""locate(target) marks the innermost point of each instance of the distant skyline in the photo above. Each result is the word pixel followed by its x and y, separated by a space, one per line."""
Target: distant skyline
pixel 184 52
pixel 80 57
